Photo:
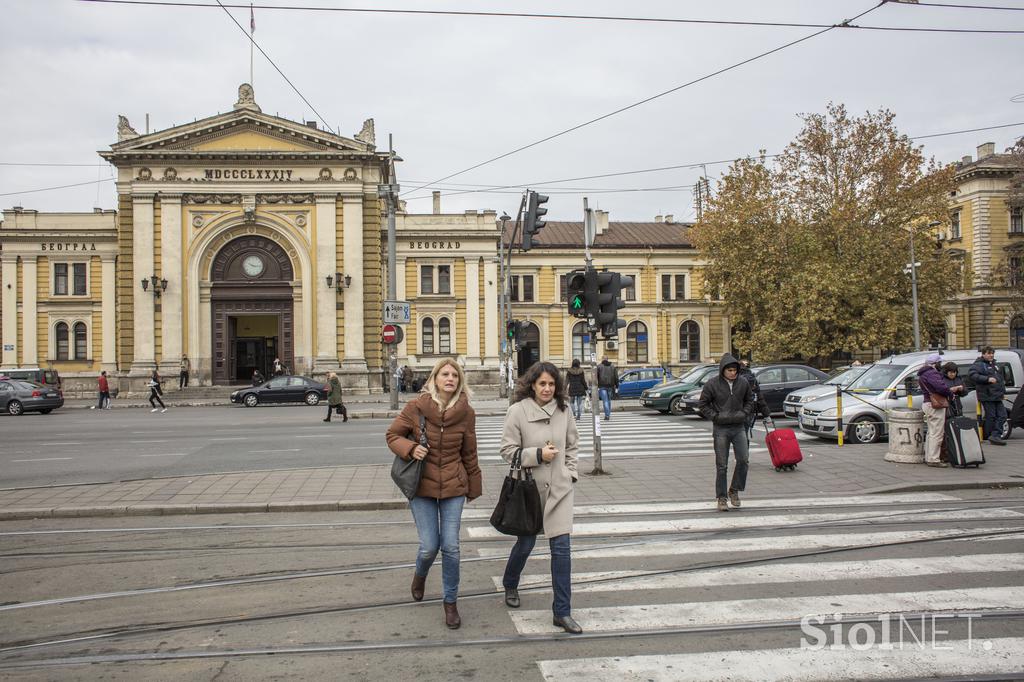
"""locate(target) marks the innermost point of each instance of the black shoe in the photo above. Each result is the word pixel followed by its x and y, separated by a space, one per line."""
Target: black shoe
pixel 328 419
pixel 512 597
pixel 996 441
pixel 567 624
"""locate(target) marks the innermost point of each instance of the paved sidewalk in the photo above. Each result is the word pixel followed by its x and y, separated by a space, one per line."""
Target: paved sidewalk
pixel 827 469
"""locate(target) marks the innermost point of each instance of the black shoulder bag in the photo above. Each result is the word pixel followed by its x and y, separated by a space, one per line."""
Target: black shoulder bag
pixel 406 473
pixel 518 511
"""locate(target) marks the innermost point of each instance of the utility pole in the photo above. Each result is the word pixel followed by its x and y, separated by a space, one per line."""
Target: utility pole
pixel 389 193
pixel 589 232
pixel 503 314
pixel 506 285
pixel 913 292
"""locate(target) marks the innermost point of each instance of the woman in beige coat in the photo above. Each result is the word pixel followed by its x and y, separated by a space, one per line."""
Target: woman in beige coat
pixel 540 424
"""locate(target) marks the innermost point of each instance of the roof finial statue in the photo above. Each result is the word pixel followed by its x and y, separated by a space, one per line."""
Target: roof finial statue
pixel 246 98
pixel 366 134
pixel 124 129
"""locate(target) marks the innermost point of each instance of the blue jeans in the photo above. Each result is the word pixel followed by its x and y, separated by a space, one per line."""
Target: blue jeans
pixel 995 418
pixel 577 405
pixel 736 435
pixel 606 400
pixel 437 523
pixel 561 569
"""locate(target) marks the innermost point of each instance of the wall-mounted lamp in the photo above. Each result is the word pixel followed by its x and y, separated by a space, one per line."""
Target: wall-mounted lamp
pixel 159 285
pixel 340 278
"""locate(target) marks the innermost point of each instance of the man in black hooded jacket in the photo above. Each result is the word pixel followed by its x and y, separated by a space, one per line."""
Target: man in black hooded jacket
pixel 728 402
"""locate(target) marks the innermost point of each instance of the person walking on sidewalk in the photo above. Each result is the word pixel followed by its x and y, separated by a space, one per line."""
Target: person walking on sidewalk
pixel 988 381
pixel 184 369
pixel 451 474
pixel 257 378
pixel 104 392
pixel 334 399
pixel 155 391
pixel 578 387
pixel 728 402
pixel 936 396
pixel 538 425
pixel 607 382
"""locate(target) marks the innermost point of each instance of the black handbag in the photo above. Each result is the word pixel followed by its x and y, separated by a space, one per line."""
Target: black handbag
pixel 518 511
pixel 406 473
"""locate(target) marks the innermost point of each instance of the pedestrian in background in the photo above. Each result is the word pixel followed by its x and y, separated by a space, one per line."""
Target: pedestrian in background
pixel 578 388
pixel 727 401
pixel 538 424
pixel 951 375
pixel 278 367
pixel 936 396
pixel 988 381
pixel 607 382
pixel 257 378
pixel 104 392
pixel 451 474
pixel 334 399
pixel 183 372
pixel 760 404
pixel 407 378
pixel 155 391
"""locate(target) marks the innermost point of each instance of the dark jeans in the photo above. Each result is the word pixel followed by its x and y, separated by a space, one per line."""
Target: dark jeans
pixel 182 379
pixel 155 395
pixel 995 418
pixel 561 569
pixel 736 435
pixel 577 405
pixel 104 400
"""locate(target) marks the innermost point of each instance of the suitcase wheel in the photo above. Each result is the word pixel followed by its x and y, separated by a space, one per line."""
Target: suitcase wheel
pixel 778 468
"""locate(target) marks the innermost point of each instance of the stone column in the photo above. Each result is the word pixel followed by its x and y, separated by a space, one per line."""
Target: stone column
pixel 352 233
pixel 472 310
pixel 171 269
pixel 326 247
pixel 491 331
pixel 29 297
pixel 203 350
pixel 142 260
pixel 9 292
pixel 108 314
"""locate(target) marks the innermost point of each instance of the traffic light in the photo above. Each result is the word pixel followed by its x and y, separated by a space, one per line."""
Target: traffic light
pixel 512 330
pixel 533 223
pixel 610 286
pixel 576 293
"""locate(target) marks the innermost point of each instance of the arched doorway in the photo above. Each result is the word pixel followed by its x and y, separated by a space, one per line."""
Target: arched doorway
pixel 1017 331
pixel 529 347
pixel 252 307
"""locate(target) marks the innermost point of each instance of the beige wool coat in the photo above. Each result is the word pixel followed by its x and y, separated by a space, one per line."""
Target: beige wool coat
pixel 532 426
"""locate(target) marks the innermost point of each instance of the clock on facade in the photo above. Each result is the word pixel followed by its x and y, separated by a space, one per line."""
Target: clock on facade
pixel 253 266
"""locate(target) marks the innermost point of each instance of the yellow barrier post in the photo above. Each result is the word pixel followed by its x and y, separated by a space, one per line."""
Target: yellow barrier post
pixel 839 413
pixel 910 395
pixel 981 431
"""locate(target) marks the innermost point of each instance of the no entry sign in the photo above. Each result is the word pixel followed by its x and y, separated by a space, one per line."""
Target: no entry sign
pixel 391 334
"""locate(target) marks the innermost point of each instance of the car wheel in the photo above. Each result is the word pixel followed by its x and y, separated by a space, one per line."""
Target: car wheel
pixel 46 411
pixel 15 408
pixel 312 398
pixel 1007 430
pixel 676 406
pixel 251 400
pixel 864 429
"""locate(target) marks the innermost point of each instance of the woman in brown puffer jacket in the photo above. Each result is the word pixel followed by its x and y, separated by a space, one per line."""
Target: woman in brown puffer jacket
pixel 451 474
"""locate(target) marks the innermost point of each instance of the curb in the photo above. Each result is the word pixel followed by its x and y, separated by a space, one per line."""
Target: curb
pixel 931 487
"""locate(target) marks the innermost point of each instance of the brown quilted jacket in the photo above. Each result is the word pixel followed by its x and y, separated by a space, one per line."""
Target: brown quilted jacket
pixel 450 468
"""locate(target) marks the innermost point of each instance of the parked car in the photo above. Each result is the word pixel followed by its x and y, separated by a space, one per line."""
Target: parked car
pixel 283 389
pixel 776 381
pixel 791 405
pixel 633 382
pixel 886 384
pixel 18 397
pixel 37 375
pixel 668 397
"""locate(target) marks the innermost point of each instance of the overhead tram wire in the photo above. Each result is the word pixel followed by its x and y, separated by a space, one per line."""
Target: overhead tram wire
pixel 958 6
pixel 47 189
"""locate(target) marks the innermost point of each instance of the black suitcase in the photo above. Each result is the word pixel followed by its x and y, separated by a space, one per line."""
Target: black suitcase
pixel 962 442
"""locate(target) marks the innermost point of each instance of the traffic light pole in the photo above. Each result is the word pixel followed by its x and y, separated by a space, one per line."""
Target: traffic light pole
pixel 589 231
pixel 390 196
pixel 506 283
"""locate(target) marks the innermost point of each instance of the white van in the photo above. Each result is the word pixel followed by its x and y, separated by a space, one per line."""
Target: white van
pixel 885 384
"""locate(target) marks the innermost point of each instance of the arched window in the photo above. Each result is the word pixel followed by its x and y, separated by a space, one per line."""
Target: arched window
pixel 62 340
pixel 689 342
pixel 636 342
pixel 1017 331
pixel 428 336
pixel 444 336
pixel 81 342
pixel 580 341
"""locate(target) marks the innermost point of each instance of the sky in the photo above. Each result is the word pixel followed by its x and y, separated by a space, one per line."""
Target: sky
pixel 455 91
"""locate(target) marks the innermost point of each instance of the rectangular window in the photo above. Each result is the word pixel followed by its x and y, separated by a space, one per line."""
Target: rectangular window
pixel 444 336
pixel 78 270
pixel 563 293
pixel 513 288
pixel 426 279
pixel 954 225
pixel 666 287
pixel 629 293
pixel 1015 271
pixel 522 289
pixel 680 293
pixel 528 288
pixel 60 279
pixel 1017 220
pixel 444 279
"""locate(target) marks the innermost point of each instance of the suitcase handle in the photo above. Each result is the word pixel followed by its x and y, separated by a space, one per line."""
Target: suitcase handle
pixel 769 424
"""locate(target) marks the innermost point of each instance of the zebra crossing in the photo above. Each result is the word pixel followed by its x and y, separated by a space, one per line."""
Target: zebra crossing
pixel 630 581
pixel 630 434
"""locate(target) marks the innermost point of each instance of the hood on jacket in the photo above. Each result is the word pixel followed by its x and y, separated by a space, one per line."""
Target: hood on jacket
pixel 727 360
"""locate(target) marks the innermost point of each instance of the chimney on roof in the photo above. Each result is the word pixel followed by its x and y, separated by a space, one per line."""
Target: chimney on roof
pixel 602 221
pixel 987 149
pixel 437 202
pixel 669 218
pixel 966 160
pixel 311 124
pixel 659 218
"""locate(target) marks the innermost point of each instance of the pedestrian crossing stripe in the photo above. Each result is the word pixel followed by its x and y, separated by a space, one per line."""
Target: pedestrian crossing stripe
pixel 954 658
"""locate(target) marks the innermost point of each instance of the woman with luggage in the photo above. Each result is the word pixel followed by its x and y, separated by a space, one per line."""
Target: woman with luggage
pixel 951 375
pixel 936 395
pixel 538 425
pixel 451 474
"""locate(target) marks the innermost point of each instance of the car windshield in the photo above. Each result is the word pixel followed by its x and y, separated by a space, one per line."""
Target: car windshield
pixel 877 378
pixel 691 375
pixel 846 378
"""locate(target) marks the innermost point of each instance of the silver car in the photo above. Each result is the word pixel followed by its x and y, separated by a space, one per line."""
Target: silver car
pixel 796 399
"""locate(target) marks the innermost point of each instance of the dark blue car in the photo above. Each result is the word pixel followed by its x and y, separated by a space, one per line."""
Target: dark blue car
pixel 633 382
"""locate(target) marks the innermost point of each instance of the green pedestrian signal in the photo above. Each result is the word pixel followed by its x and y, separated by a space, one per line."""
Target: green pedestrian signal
pixel 575 286
pixel 577 303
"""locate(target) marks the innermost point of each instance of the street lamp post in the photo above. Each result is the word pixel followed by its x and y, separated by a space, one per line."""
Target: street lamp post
pixel 503 312
pixel 913 292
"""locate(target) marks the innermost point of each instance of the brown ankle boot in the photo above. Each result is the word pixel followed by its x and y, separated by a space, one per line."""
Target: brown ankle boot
pixel 418 582
pixel 451 616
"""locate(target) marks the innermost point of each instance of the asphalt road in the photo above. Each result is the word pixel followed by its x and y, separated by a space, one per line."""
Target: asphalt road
pixel 673 592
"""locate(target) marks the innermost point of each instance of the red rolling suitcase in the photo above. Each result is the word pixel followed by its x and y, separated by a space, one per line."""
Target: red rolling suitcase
pixel 783 447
